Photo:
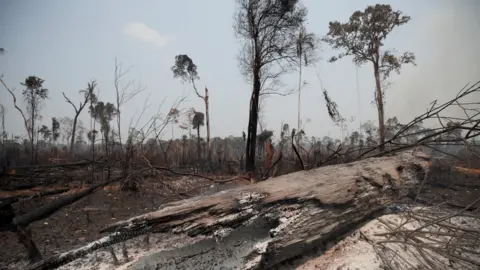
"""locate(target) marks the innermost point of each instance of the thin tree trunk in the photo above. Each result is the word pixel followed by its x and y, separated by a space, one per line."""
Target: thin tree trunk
pixel 207 116
pixel 199 154
pixel 32 130
pixel 299 93
pixel 119 128
pixel 74 129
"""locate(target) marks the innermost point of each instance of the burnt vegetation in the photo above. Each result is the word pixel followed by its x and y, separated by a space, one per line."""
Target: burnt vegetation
pixel 94 172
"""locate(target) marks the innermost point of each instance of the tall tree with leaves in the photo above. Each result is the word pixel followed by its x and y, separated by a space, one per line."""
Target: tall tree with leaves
pixel 362 37
pixel 46 133
pixel 186 70
pixel 87 95
pixel 34 95
pixel 104 113
pixel 174 113
pixel 306 44
pixel 267 30
pixel 55 129
pixel 93 101
pixel 198 121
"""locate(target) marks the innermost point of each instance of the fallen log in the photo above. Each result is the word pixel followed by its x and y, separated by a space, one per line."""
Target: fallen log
pixel 6 211
pixel 55 166
pixel 53 206
pixel 262 225
pixel 19 224
pixel 33 193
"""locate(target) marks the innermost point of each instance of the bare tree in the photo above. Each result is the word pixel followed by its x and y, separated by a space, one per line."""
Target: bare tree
pixel 186 70
pixel 88 93
pixel 25 120
pixel 34 95
pixel 160 122
pixel 361 37
pixel 124 93
pixel 267 29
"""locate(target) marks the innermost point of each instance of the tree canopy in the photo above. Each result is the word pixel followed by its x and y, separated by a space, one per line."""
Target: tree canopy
pixel 364 33
pixel 185 69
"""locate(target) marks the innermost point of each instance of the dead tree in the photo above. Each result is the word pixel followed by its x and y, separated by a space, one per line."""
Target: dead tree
pixel 267 32
pixel 88 93
pixel 124 93
pixel 25 121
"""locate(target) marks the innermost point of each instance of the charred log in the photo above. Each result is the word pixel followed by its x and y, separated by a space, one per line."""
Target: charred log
pixel 260 226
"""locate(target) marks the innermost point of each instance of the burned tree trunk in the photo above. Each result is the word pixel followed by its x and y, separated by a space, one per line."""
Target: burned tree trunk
pixel 260 226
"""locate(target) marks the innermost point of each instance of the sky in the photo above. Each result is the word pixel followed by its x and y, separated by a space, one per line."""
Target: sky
pixel 69 43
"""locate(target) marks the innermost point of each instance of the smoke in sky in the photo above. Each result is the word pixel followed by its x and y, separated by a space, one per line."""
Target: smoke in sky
pixel 451 33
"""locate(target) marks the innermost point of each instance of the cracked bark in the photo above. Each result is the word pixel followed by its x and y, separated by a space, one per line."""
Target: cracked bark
pixel 260 226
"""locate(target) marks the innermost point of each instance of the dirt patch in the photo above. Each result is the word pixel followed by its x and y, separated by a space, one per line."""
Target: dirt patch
pixel 80 223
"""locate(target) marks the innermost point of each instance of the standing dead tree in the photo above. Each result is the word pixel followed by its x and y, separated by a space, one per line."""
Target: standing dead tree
pixel 267 30
pixel 124 93
pixel 361 37
pixel 88 93
pixel 25 120
pixel 185 69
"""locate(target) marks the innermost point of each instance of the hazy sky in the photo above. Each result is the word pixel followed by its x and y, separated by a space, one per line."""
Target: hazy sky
pixel 68 43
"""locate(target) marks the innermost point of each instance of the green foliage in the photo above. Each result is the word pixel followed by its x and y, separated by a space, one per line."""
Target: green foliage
pixel 174 113
pixel 198 120
pixel 55 129
pixel 103 113
pixel 185 69
pixel 34 94
pixel 45 131
pixel 91 135
pixel 34 87
pixel 264 136
pixel 306 46
pixel 89 92
pixel 363 35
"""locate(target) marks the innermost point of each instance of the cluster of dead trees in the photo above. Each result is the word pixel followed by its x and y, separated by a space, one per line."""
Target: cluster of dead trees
pixel 272 33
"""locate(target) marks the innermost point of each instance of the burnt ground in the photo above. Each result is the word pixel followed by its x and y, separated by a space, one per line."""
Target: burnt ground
pixel 80 223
